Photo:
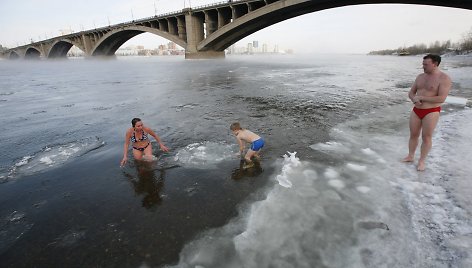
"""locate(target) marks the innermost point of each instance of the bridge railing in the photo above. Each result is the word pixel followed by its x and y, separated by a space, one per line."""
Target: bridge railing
pixel 218 4
pixel 168 14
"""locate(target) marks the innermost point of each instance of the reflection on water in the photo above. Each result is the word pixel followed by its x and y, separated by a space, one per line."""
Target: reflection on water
pixel 148 182
pixel 241 172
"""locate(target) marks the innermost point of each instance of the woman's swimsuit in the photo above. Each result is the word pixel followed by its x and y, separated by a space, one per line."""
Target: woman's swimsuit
pixel 143 138
pixel 421 113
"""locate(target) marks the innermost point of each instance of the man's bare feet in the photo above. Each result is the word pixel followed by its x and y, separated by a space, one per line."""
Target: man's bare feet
pixel 408 159
pixel 421 166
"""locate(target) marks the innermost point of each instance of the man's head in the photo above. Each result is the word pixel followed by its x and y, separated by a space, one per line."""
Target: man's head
pixel 431 62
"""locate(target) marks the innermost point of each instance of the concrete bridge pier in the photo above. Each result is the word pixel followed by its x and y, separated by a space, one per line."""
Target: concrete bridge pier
pixel 195 34
pixel 204 55
pixel 87 45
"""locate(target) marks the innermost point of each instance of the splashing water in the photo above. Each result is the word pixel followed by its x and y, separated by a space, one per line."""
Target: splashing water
pixel 206 154
pixel 290 162
pixel 52 156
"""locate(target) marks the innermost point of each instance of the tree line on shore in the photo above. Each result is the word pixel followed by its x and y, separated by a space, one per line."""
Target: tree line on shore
pixel 462 47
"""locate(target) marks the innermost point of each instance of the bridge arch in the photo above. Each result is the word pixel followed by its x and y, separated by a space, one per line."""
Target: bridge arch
pixel 282 10
pixel 32 53
pixel 13 55
pixel 59 49
pixel 112 41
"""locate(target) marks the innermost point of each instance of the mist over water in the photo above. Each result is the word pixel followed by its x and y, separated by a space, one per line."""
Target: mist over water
pixel 330 190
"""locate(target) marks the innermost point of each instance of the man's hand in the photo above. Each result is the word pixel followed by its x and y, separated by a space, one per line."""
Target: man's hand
pixel 417 100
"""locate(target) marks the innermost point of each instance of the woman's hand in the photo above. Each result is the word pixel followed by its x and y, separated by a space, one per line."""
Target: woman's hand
pixel 163 147
pixel 123 161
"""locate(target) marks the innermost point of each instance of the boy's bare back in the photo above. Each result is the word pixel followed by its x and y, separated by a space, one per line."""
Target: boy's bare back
pixel 247 135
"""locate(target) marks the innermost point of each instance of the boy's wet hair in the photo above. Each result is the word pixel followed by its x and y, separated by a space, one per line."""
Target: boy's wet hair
pixel 135 120
pixel 235 126
pixel 434 58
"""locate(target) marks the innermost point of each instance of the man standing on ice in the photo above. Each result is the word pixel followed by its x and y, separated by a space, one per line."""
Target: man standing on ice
pixel 427 93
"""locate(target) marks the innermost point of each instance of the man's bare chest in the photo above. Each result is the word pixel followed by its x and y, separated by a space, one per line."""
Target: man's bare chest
pixel 429 84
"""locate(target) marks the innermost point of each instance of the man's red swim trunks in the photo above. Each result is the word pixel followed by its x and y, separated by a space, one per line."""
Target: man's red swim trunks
pixel 421 113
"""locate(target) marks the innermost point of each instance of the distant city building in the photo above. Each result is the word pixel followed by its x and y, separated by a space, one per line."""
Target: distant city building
pixel 250 49
pixel 254 48
pixel 161 50
pixel 172 46
pixel 264 48
pixel 232 49
pixel 75 52
pixel 127 51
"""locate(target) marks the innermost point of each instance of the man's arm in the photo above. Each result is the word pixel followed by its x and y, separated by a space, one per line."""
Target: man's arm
pixel 444 87
pixel 413 90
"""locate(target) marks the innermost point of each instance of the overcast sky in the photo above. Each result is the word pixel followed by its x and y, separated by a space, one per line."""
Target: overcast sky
pixel 352 29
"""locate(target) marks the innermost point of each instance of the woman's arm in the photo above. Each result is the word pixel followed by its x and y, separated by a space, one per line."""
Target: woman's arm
pixel 125 148
pixel 158 139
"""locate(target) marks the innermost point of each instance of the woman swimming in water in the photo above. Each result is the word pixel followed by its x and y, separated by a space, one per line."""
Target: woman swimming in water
pixel 138 135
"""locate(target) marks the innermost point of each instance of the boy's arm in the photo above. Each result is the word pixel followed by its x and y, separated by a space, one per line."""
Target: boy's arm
pixel 241 145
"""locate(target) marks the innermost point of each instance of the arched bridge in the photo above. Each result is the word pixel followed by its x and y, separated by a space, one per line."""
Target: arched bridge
pixel 204 32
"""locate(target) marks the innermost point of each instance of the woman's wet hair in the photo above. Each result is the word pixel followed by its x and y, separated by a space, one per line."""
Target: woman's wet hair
pixel 434 58
pixel 134 121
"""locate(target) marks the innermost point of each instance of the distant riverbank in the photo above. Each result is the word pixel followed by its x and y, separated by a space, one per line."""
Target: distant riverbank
pixel 463 47
pixel 408 53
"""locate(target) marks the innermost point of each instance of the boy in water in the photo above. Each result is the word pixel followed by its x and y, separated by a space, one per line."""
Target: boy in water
pixel 244 135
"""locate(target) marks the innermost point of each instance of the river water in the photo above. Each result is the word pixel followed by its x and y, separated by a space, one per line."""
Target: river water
pixel 342 200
